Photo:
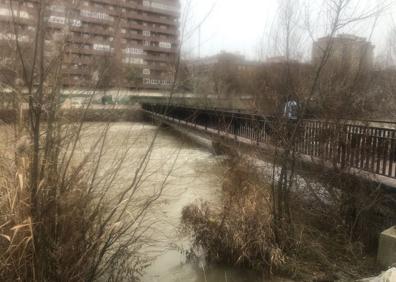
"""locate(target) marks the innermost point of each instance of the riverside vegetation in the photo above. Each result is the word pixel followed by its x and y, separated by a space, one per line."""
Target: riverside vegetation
pixel 57 222
pixel 318 245
pixel 74 227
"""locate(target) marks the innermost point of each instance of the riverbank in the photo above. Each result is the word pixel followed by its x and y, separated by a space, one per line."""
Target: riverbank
pixel 94 114
pixel 241 233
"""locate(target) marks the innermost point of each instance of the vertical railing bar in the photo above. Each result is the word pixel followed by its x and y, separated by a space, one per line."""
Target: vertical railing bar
pixel 374 150
pixel 367 146
pixel 326 141
pixel 361 140
pixel 310 139
pixel 385 149
pixel 380 150
pixel 347 145
pixel 393 154
pixel 353 145
pixel 317 141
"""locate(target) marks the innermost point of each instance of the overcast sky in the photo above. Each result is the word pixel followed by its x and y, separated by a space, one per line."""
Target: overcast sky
pixel 247 26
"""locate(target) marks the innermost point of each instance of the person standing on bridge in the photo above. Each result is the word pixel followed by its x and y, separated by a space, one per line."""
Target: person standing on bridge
pixel 290 113
pixel 291 110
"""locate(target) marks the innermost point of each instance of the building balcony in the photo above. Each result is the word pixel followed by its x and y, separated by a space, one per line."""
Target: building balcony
pixel 141 27
pixel 159 49
pixel 151 38
pixel 152 19
pixel 102 22
pixel 93 30
pixel 140 7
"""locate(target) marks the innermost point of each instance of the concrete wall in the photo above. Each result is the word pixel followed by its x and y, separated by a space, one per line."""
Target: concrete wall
pixel 243 103
pixel 387 248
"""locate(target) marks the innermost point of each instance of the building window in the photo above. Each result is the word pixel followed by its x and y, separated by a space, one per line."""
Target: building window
pixel 102 47
pixel 151 81
pixel 135 51
pixel 95 15
pixel 159 6
pixel 57 20
pixel 133 61
pixel 165 45
pixel 7 12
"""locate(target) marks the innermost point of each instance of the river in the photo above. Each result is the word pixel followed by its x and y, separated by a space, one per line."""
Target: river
pixel 193 174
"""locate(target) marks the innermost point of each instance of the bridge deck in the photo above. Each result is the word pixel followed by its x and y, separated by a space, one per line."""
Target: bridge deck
pixel 386 168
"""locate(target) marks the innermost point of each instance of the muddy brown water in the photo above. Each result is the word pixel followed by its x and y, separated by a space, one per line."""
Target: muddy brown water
pixel 193 174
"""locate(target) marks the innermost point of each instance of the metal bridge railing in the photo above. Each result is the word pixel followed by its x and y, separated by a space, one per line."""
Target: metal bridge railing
pixel 345 145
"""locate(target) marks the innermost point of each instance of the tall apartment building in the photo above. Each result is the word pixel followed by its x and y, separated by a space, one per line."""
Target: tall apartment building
pixel 346 51
pixel 138 36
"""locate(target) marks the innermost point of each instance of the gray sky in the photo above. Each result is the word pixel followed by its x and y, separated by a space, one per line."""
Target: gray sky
pixel 247 26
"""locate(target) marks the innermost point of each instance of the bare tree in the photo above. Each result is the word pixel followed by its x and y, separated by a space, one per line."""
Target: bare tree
pixel 61 220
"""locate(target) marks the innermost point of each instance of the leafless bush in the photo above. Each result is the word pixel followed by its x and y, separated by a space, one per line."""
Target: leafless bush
pixel 240 232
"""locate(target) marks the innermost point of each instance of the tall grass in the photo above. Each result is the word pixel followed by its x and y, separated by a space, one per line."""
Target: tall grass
pixel 240 231
pixel 80 229
pixel 60 218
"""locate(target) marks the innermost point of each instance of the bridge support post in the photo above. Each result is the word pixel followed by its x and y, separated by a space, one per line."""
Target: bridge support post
pixel 387 248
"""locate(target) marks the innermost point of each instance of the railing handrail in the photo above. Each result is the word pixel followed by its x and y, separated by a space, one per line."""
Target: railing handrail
pixel 369 149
